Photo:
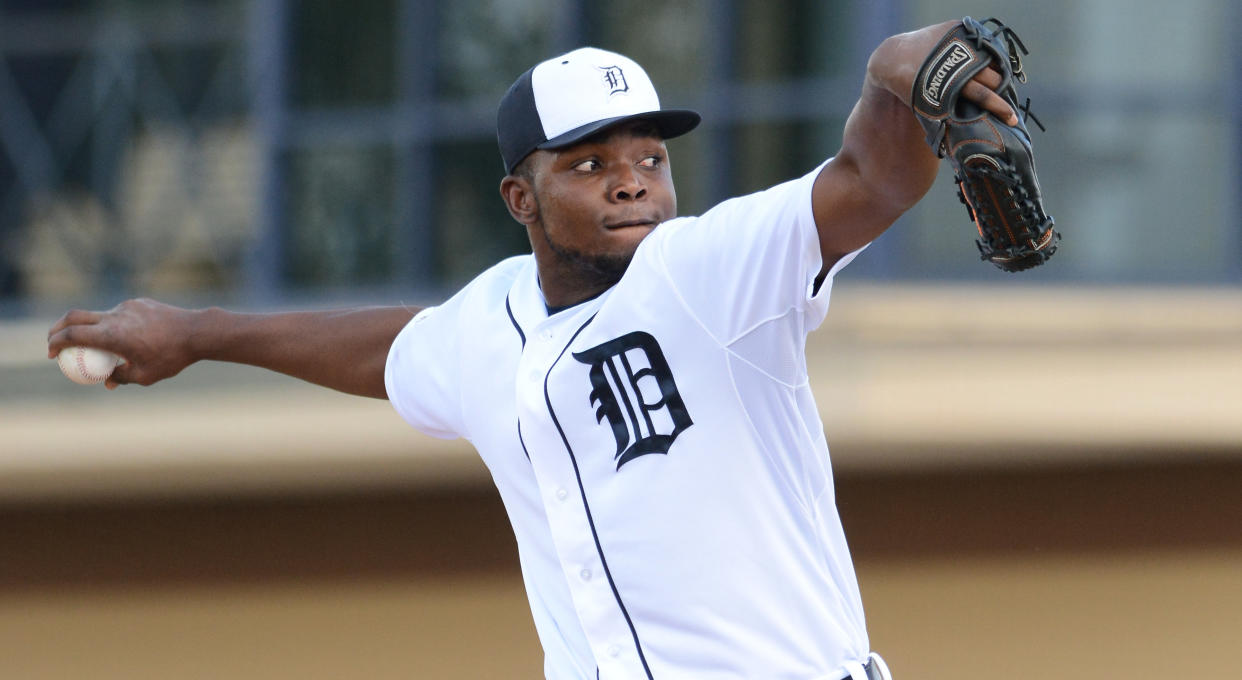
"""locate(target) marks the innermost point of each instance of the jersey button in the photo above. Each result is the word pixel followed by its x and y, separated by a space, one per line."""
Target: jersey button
pixel 614 650
pixel 546 335
pixel 561 494
pixel 585 574
pixel 534 376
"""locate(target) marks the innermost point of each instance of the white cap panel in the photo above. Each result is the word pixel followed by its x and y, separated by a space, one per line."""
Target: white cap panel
pixel 587 85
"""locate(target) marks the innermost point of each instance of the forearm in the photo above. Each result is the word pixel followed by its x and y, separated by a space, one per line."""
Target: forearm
pixel 882 135
pixel 884 143
pixel 341 349
pixel 884 165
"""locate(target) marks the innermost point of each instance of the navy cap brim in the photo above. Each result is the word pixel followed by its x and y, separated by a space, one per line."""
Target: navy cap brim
pixel 669 123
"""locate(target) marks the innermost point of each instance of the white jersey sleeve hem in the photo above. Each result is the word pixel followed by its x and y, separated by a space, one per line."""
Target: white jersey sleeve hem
pixel 403 361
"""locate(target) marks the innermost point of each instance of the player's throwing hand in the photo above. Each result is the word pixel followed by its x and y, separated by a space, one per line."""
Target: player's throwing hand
pixel 153 339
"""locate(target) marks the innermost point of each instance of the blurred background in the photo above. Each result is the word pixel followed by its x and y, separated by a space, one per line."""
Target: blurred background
pixel 1039 473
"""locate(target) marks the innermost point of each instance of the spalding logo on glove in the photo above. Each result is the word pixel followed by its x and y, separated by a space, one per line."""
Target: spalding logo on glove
pixel 944 69
pixel 992 162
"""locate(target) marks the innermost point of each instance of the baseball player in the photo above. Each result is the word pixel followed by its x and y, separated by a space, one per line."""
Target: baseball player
pixel 637 384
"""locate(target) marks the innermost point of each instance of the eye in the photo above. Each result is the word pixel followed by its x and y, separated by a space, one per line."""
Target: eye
pixel 587 165
pixel 652 161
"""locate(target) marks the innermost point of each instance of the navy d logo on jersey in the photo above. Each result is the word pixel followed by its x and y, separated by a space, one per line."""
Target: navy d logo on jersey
pixel 635 390
pixel 614 78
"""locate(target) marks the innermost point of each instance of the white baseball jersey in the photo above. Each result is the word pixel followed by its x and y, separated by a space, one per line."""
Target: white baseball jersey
pixel 658 449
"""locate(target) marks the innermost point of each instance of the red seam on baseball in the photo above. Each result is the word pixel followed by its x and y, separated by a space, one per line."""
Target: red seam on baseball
pixel 80 357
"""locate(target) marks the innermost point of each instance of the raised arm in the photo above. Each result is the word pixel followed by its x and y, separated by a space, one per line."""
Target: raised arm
pixel 341 349
pixel 885 165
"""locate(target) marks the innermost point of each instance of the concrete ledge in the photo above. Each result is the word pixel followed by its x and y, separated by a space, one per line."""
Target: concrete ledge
pixel 264 440
pixel 905 378
pixel 956 370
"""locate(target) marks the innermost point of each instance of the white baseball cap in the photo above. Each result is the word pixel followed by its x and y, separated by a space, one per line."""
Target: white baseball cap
pixel 568 98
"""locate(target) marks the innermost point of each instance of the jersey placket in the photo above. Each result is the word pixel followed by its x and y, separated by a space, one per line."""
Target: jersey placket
pixel 567 504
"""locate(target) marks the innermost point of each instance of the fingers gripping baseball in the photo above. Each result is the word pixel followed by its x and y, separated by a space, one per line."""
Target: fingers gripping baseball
pixel 151 338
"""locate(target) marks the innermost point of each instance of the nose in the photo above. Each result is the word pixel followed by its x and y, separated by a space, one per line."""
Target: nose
pixel 627 186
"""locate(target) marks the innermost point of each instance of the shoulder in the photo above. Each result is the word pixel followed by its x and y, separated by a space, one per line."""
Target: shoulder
pixel 492 284
pixel 791 197
pixel 470 313
pixel 498 278
pixel 752 216
pixel 471 303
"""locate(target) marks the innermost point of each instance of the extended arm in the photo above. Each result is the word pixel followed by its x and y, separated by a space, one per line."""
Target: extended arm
pixel 341 349
pixel 885 165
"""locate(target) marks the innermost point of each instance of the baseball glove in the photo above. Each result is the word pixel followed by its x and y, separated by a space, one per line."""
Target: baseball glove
pixel 992 161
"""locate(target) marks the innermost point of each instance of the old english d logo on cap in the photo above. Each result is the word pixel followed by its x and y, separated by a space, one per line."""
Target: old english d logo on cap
pixel 614 77
pixel 566 99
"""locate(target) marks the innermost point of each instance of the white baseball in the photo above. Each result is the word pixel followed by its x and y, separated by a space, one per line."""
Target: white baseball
pixel 86 365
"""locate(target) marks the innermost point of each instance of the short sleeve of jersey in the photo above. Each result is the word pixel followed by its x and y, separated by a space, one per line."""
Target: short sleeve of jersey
pixel 421 375
pixel 750 259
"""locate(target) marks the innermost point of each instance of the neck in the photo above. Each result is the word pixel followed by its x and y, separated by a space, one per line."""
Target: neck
pixel 565 286
pixel 568 277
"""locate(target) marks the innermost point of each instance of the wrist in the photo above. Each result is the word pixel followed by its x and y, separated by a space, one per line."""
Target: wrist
pixel 892 68
pixel 201 329
pixel 895 63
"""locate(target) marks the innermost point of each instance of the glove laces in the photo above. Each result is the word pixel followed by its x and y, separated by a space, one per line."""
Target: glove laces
pixel 1014 43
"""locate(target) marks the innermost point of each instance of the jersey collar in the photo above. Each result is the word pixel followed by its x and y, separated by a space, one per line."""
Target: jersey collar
pixel 525 299
pixel 527 304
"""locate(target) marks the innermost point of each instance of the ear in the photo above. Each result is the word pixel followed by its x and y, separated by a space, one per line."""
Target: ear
pixel 519 196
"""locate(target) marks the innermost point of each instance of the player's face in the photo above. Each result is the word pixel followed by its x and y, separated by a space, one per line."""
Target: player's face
pixel 600 198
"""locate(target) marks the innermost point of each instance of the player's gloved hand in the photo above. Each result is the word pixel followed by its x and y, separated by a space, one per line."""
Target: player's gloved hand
pixel 990 154
pixel 154 339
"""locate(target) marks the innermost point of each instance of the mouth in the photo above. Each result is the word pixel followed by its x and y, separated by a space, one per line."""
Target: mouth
pixel 648 223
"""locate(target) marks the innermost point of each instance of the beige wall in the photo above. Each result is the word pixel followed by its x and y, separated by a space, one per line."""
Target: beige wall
pixel 1175 615
pixel 1035 483
pixel 1077 617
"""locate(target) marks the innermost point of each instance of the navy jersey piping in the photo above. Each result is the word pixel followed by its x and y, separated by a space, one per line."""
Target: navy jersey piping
pixel 599 549
pixel 522 441
pixel 512 320
pixel 522 336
